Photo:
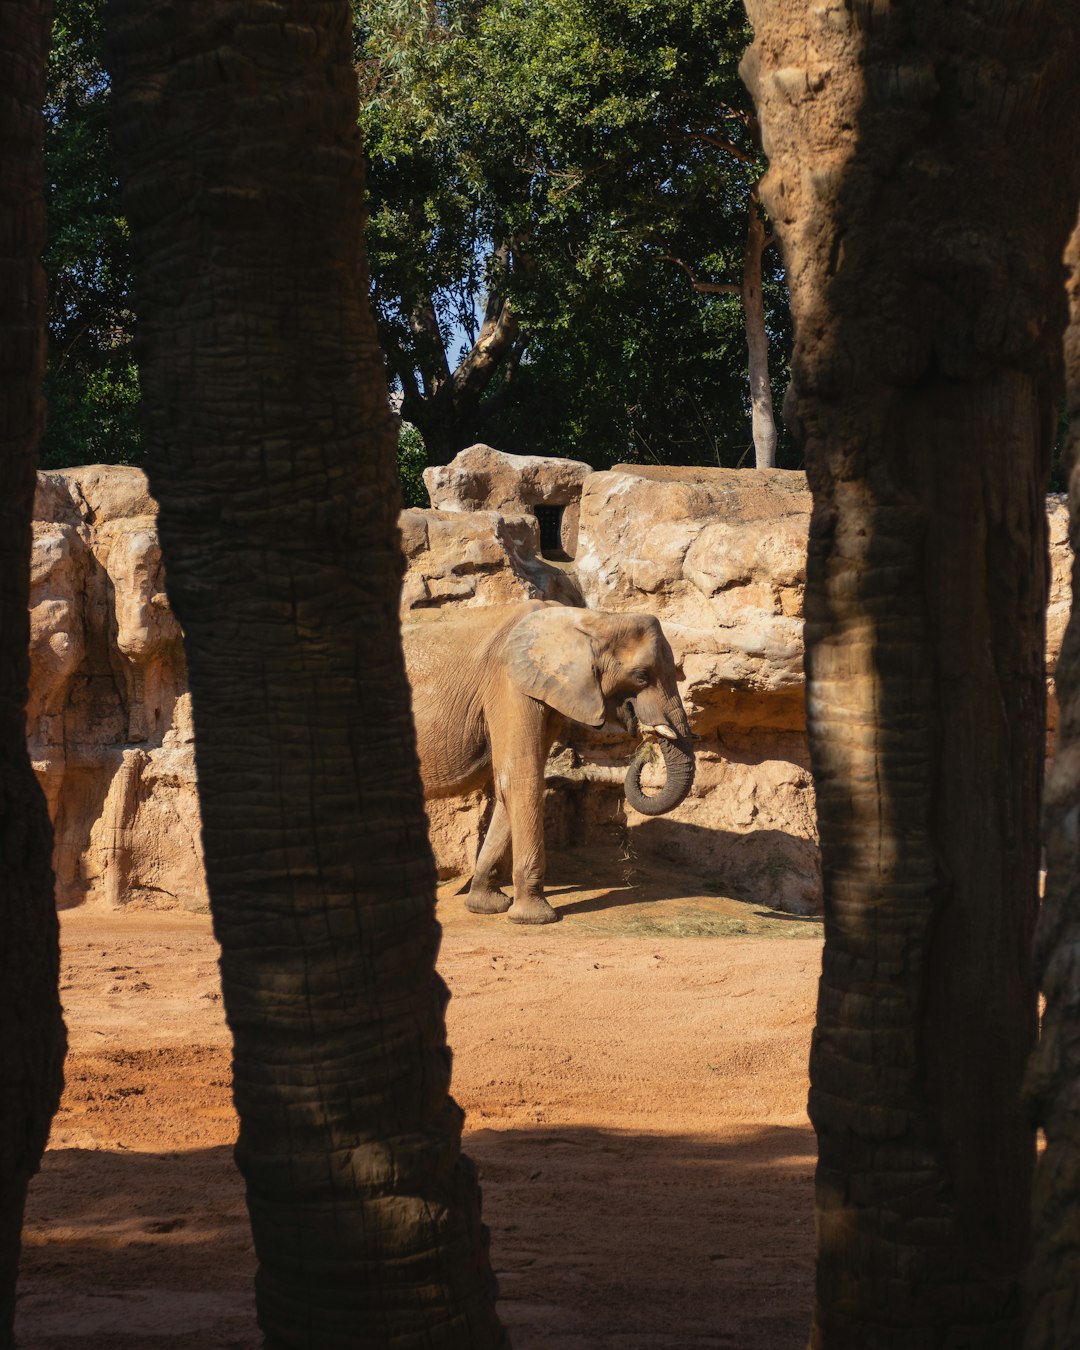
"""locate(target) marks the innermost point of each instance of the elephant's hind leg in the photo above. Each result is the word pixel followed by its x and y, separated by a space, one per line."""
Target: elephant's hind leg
pixel 484 895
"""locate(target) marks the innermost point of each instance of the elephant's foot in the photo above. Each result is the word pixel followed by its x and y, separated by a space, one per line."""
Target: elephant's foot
pixel 532 909
pixel 484 900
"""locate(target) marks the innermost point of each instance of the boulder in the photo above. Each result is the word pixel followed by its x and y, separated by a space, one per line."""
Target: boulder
pixel 719 556
pixel 481 478
pixel 478 558
pixel 109 715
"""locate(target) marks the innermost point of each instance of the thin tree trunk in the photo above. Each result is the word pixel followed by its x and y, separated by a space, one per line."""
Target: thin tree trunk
pixel 762 421
pixel 271 452
pixel 922 240
pixel 1054 1285
pixel 451 411
pixel 31 1029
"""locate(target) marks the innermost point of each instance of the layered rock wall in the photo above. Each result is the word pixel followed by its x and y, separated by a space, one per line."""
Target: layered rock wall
pixel 717 555
pixel 484 479
pixel 109 715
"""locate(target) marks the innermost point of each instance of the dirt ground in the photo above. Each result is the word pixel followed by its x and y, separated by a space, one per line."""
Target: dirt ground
pixel 635 1083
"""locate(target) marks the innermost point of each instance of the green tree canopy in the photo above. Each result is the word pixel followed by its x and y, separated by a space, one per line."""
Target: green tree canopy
pixel 91 384
pixel 560 192
pixel 587 168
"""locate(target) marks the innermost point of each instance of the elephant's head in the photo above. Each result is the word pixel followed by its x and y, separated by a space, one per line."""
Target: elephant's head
pixel 596 668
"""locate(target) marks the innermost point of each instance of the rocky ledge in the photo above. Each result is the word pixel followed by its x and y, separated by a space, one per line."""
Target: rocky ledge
pixel 717 555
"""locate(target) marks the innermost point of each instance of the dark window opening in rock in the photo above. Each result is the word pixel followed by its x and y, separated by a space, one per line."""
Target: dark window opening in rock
pixel 550 520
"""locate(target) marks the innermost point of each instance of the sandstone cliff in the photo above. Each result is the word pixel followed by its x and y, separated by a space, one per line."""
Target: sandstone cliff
pixel 718 555
pixel 109 715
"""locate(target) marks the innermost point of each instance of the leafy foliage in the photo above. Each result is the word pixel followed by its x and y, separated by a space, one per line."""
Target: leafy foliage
pixel 571 167
pixel 92 383
pixel 412 461
pixel 659 377
pixel 608 146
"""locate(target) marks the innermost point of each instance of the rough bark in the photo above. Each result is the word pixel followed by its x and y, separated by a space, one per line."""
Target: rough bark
pixel 762 419
pixel 923 243
pixel 31 1029
pixel 1054 1285
pixel 271 451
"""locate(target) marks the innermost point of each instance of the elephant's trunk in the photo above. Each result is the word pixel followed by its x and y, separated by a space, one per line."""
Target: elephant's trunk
pixel 679 763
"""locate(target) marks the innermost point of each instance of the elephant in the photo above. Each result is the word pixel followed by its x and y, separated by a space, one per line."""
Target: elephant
pixel 491 687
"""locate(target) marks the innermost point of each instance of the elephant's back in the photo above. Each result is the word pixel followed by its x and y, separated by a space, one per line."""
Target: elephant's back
pixel 457 635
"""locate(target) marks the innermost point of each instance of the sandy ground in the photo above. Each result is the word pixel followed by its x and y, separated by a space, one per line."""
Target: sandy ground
pixel 635 1083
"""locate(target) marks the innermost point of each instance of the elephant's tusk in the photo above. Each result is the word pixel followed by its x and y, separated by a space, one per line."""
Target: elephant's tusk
pixel 663 730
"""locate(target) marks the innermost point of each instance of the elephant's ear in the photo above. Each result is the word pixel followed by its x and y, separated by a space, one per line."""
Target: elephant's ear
pixel 549 657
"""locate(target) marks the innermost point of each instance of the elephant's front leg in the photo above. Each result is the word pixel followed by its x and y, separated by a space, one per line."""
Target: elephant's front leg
pixel 522 790
pixel 521 736
pixel 485 895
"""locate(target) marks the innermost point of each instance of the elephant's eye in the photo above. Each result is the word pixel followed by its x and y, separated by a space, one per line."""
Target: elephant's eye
pixel 640 678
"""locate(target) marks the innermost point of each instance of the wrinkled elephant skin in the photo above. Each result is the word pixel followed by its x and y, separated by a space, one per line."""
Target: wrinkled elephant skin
pixel 490 687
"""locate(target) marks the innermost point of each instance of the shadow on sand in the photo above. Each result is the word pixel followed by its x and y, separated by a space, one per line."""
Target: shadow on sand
pixel 600 1239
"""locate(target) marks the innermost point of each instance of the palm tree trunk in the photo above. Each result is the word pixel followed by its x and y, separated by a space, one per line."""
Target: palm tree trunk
pixel 31 1028
pixel 272 455
pixel 1054 1286
pixel 909 206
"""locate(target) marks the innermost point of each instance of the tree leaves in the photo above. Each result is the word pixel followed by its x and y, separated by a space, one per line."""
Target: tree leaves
pixel 611 146
pixel 91 384
pixel 567 168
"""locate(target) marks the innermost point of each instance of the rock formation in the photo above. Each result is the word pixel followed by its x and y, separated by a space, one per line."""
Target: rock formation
pixel 109 715
pixel 484 479
pixel 477 558
pixel 717 555
pixel 1060 599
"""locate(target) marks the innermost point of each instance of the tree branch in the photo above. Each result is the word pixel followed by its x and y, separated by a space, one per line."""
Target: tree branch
pixel 498 334
pixel 495 340
pixel 723 143
pixel 702 287
pixel 410 389
pixel 431 350
pixel 743 115
pixel 763 420
pixel 717 288
pixel 497 399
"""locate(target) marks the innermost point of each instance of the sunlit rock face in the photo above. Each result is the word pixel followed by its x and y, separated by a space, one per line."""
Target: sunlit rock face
pixel 542 487
pixel 717 555
pixel 476 558
pixel 109 715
